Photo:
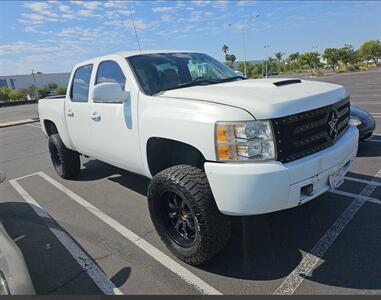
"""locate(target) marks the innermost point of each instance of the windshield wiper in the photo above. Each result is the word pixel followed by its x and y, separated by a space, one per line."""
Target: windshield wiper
pixel 202 82
pixel 230 79
pixel 189 84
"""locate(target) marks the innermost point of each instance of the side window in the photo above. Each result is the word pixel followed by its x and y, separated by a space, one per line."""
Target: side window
pixel 81 81
pixel 110 71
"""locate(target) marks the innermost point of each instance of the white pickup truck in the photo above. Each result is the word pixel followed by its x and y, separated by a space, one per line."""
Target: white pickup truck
pixel 214 143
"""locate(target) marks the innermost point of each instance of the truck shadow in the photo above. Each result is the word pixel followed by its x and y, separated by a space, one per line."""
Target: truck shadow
pixel 369 149
pixel 270 246
pixel 52 268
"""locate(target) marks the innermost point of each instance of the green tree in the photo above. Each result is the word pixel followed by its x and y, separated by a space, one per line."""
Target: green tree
pixel 231 58
pixel 332 56
pixel 279 56
pixel 241 67
pixel 347 54
pixel 371 51
pixel 310 59
pixel 42 92
pixel 61 90
pixel 293 57
pixel 52 86
pixel 4 93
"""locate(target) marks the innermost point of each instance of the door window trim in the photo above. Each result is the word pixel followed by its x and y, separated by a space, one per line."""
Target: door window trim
pixel 72 83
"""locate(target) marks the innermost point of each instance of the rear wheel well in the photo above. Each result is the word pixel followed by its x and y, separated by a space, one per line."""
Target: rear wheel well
pixel 163 153
pixel 50 127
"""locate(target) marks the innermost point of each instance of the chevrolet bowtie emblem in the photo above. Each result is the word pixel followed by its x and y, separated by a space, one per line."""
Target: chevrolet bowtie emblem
pixel 332 123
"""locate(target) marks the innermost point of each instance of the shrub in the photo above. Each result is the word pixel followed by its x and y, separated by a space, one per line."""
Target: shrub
pixel 4 93
pixel 52 86
pixel 16 95
pixel 61 90
pixel 363 68
pixel 42 92
pixel 353 68
pixel 340 69
pixel 319 72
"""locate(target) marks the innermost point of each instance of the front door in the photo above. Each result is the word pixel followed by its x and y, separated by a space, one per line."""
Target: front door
pixel 114 124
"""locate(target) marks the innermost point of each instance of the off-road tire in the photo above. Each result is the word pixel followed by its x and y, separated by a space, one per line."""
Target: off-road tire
pixel 213 229
pixel 66 162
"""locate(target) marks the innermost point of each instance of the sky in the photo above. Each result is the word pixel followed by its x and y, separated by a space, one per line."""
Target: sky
pixel 51 36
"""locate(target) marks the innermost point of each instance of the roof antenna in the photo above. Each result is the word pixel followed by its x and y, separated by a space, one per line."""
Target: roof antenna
pixel 136 33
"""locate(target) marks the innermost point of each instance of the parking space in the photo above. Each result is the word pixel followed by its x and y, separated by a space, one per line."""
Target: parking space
pixel 94 235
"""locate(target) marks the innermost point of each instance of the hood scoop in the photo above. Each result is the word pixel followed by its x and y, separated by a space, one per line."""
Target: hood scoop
pixel 287 82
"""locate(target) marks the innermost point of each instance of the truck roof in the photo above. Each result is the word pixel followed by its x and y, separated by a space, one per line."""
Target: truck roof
pixel 125 54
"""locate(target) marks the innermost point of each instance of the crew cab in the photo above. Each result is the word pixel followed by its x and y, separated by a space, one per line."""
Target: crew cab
pixel 214 143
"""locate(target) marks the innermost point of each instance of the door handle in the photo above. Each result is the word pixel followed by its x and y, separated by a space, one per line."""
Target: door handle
pixel 70 113
pixel 95 116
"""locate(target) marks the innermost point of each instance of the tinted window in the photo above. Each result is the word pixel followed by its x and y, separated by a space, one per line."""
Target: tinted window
pixel 110 71
pixel 164 71
pixel 81 82
pixel 3 83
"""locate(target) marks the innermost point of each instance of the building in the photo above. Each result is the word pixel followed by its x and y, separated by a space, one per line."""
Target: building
pixel 16 82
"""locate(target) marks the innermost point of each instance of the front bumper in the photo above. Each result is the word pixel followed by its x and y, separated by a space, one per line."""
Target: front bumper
pixel 263 187
pixel 366 128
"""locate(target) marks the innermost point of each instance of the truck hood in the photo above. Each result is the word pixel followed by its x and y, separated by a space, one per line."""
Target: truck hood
pixel 265 98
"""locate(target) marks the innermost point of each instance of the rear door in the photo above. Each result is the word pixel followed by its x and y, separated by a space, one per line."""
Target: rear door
pixel 114 125
pixel 77 110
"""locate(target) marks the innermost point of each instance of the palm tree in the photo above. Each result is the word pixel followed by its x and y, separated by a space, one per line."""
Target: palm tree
pixel 225 49
pixel 279 56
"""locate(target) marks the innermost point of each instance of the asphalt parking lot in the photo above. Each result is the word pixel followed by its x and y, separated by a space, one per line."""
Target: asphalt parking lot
pixel 93 235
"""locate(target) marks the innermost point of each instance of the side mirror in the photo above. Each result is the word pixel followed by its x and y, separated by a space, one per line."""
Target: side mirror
pixel 109 92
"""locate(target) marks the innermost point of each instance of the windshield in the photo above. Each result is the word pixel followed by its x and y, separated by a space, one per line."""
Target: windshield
pixel 166 71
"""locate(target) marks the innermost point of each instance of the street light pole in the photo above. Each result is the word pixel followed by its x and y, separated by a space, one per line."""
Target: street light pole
pixel 314 47
pixel 266 46
pixel 244 44
pixel 244 52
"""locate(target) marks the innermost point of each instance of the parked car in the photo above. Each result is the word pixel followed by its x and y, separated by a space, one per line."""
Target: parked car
pixel 364 122
pixel 215 144
pixel 14 275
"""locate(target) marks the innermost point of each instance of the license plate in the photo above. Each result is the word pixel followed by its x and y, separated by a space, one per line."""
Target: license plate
pixel 337 178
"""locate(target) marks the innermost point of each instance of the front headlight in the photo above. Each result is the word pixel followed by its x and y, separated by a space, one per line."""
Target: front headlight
pixel 249 140
pixel 355 121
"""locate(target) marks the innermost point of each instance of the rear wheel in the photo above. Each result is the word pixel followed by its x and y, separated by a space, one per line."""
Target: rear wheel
pixel 66 162
pixel 185 214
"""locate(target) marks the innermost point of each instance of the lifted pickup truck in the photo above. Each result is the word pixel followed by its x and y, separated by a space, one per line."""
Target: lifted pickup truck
pixel 214 143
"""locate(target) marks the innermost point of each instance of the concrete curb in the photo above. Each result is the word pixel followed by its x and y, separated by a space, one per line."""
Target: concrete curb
pixel 16 103
pixel 18 122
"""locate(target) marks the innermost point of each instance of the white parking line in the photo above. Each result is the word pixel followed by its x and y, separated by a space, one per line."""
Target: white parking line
pixel 86 263
pixel 31 125
pixel 352 195
pixel 310 260
pixel 376 183
pixel 151 250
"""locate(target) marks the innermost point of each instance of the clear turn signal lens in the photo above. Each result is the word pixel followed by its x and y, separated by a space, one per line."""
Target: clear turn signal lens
pixel 251 140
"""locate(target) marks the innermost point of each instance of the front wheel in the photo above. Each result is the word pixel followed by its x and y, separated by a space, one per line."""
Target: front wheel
pixel 185 215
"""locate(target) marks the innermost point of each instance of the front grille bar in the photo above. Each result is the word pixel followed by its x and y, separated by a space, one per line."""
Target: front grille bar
pixel 305 133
